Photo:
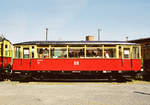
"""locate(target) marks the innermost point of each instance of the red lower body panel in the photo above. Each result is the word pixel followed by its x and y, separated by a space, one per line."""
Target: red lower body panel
pixel 6 62
pixel 76 64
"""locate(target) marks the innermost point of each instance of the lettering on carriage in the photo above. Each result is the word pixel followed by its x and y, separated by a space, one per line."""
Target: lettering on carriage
pixel 39 61
pixel 76 63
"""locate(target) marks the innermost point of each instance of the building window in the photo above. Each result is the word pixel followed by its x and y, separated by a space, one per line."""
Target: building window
pixel 147 52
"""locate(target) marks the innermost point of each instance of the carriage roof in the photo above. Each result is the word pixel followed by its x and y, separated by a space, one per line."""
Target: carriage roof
pixel 75 43
pixel 2 38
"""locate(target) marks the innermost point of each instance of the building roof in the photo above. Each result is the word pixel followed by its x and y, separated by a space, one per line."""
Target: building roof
pixel 140 40
pixel 73 42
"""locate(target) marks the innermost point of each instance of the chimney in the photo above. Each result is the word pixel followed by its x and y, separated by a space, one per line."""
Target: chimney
pixel 46 34
pixel 89 38
pixel 99 30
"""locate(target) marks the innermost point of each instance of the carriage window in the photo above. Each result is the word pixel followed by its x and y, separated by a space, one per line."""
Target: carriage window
pixel 120 53
pixel 126 52
pixel 6 50
pixel 109 53
pixel 17 52
pixel 135 53
pixel 25 52
pixel 94 53
pixel 43 53
pixel 32 51
pixel 76 53
pixel 59 53
pixel 9 50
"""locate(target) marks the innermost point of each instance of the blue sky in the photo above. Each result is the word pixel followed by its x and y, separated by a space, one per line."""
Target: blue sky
pixel 24 20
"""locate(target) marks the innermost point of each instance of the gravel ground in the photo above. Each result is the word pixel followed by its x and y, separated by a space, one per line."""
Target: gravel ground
pixel 74 93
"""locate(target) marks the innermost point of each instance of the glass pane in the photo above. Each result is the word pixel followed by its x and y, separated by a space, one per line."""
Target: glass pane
pixel 94 53
pixel 76 53
pixel 147 53
pixel 43 53
pixel 120 53
pixel 109 53
pixel 6 50
pixel 17 52
pixel 26 53
pixel 126 52
pixel 9 50
pixel 135 53
pixel 59 53
pixel 32 51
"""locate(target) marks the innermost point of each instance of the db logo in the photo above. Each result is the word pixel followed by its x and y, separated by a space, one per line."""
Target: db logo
pixel 39 61
pixel 76 63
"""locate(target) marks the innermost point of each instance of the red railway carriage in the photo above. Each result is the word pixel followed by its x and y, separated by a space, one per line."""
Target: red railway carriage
pixel 5 56
pixel 76 56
